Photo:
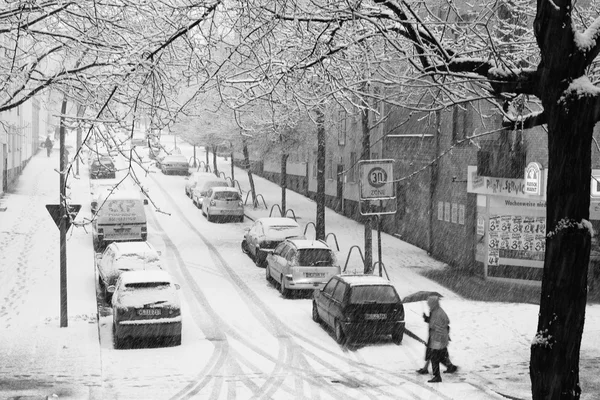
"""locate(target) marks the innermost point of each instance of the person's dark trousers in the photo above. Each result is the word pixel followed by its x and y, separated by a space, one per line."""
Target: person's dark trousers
pixel 437 357
pixel 48 150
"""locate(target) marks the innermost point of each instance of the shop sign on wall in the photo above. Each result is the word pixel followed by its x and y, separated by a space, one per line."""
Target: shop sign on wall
pixel 533 178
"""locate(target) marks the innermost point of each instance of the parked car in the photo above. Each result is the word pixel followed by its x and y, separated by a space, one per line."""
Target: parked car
pixel 359 306
pixel 125 256
pixel 146 305
pixel 194 179
pixel 266 234
pixel 103 168
pixel 122 218
pixel 175 163
pixel 223 202
pixel 200 191
pixel 300 264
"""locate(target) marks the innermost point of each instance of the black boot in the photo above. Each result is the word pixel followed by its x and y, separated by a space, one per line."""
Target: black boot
pixel 435 379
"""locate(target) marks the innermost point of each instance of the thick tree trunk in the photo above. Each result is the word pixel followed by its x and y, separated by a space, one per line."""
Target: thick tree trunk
pixel 214 150
pixel 554 366
pixel 248 170
pixel 207 159
pixel 321 140
pixel 283 181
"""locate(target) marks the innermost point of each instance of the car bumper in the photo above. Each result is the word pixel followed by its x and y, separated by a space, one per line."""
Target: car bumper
pixel 178 170
pixel 102 174
pixel 305 285
pixel 226 211
pixel 149 328
pixel 372 328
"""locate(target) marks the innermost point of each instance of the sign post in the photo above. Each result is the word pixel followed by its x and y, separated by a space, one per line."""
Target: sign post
pixel 376 183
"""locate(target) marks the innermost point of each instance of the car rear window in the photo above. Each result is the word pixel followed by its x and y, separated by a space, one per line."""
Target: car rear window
pixel 315 257
pixel 227 196
pixel 147 285
pixel 293 230
pixel 373 294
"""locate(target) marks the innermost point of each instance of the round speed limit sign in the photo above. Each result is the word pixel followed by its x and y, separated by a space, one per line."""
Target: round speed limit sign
pixel 376 178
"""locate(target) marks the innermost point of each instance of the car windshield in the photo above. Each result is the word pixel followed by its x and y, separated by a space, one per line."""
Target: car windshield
pixel 289 230
pixel 227 196
pixel 146 285
pixel 373 294
pixel 315 257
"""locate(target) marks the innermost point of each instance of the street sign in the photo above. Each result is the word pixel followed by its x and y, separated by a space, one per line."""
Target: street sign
pixel 376 179
pixel 54 210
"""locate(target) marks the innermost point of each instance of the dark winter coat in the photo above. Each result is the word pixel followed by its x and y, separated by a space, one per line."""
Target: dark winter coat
pixel 438 329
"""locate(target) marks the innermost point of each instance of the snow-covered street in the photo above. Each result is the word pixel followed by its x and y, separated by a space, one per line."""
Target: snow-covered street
pixel 241 338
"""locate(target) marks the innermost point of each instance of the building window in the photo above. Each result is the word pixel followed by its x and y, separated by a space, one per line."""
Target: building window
pixel 352 172
pixel 462 122
pixel 342 128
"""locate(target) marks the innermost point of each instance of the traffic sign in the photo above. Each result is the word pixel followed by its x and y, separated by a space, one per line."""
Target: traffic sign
pixel 54 210
pixel 376 179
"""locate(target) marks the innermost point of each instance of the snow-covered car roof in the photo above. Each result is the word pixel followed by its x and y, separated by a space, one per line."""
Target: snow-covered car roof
pixel 278 221
pixel 224 189
pixel 309 244
pixel 361 280
pixel 145 276
pixel 143 249
pixel 175 157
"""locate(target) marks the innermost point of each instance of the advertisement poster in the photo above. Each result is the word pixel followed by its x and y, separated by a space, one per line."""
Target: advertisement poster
pixel 516 237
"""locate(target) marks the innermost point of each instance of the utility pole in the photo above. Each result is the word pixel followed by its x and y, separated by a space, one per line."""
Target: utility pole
pixel 64 319
pixel 366 150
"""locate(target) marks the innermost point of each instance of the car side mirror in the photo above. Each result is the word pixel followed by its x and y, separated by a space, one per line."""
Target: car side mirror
pixel 177 286
pixel 111 289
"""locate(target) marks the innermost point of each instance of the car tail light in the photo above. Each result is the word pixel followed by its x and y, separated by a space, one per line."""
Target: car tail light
pixel 213 203
pixel 289 277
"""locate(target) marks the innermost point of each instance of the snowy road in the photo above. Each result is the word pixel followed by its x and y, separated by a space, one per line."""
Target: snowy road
pixel 241 339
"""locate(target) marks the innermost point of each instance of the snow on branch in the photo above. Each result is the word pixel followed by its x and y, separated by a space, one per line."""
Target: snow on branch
pixel 582 90
pixel 587 42
pixel 525 122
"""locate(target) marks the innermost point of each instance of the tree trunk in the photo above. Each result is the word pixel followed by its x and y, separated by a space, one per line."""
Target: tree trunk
pixel 283 181
pixel 554 365
pixel 232 171
pixel 214 150
pixel 248 170
pixel 207 159
pixel 321 140
pixel 195 164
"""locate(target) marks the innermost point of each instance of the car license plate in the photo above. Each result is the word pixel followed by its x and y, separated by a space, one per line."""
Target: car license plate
pixel 149 311
pixel 375 316
pixel 314 274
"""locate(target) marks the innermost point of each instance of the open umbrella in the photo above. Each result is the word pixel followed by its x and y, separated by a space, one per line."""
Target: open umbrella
pixel 420 296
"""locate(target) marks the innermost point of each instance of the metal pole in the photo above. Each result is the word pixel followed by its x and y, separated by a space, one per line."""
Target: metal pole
pixel 64 320
pixel 379 243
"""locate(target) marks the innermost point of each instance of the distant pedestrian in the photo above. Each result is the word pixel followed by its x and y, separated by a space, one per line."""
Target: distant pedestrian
pixel 439 337
pixel 48 144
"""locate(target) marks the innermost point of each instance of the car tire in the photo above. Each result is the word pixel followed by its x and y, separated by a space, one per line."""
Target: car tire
pixel 260 259
pixel 176 340
pixel 268 276
pixel 209 218
pixel 100 282
pixel 315 313
pixel 241 219
pixel 245 247
pixel 398 336
pixel 285 292
pixel 340 336
pixel 118 342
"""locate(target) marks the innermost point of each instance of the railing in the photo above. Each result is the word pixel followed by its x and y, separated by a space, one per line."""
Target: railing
pixel 234 181
pixel 293 213
pixel 309 224
pixel 334 237
pixel 350 252
pixel 272 207
pixel 196 161
pixel 222 175
pixel 205 166
pixel 381 267
pixel 256 203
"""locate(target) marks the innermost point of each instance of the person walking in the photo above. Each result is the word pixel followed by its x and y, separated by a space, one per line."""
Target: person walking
pixel 439 337
pixel 48 144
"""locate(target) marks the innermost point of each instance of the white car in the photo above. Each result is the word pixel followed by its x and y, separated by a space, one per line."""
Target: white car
pixel 119 257
pixel 200 191
pixel 223 202
pixel 266 234
pixel 146 305
pixel 194 179
pixel 299 264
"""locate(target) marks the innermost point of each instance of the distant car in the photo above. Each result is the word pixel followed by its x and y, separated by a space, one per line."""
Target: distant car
pixel 300 264
pixel 200 191
pixel 223 202
pixel 194 179
pixel 103 168
pixel 359 306
pixel 146 305
pixel 119 257
pixel 175 163
pixel 266 234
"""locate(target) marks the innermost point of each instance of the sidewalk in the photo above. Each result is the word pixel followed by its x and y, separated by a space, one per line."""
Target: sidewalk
pixel 39 358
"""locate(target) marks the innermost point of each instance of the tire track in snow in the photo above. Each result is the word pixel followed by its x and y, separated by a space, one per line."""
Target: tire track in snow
pixel 272 320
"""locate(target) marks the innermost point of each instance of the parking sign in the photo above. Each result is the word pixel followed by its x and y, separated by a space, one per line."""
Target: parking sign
pixel 376 179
